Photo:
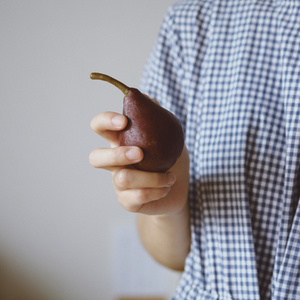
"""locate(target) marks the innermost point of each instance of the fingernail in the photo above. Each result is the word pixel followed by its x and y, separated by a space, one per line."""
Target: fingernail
pixel 117 121
pixel 171 178
pixel 133 154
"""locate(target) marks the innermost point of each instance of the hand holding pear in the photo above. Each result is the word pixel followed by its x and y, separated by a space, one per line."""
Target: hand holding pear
pixel 151 127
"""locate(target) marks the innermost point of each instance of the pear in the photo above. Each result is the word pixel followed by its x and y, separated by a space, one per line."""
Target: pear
pixel 151 127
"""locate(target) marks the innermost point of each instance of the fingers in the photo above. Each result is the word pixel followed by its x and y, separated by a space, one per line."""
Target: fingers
pixel 134 200
pixel 115 157
pixel 137 188
pixel 108 125
pixel 125 179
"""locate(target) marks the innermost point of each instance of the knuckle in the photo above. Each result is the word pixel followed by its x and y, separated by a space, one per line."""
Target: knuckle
pixel 142 195
pixel 131 209
pixel 94 124
pixel 92 158
pixel 122 178
pixel 120 155
pixel 127 205
pixel 98 122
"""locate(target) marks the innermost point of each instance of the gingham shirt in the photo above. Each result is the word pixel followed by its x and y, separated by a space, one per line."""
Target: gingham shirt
pixel 230 71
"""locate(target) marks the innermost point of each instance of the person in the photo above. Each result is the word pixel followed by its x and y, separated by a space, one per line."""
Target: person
pixel 227 213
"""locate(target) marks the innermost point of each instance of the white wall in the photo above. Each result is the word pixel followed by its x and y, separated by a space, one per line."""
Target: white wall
pixel 58 215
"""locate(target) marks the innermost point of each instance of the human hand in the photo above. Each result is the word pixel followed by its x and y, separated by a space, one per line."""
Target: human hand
pixel 138 191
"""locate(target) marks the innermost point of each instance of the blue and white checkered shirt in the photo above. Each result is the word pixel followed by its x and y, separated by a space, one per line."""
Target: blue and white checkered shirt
pixel 230 71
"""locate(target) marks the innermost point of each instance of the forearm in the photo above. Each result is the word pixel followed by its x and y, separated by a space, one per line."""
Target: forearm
pixel 166 237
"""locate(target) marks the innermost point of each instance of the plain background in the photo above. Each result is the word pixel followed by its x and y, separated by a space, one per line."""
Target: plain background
pixel 57 213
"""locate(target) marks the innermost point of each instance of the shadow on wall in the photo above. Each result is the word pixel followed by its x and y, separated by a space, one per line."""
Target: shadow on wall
pixel 14 284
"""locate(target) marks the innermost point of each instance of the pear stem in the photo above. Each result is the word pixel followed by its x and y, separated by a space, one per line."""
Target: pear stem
pixel 99 76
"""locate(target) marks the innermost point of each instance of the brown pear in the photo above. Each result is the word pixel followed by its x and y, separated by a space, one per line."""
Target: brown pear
pixel 151 127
